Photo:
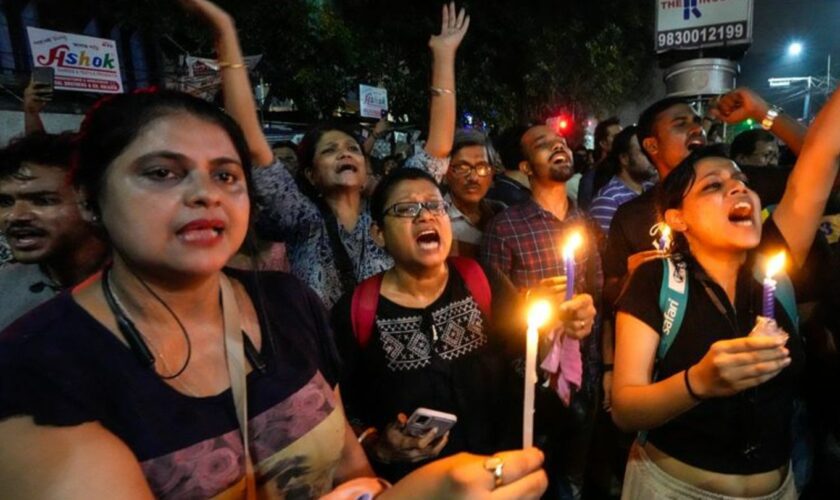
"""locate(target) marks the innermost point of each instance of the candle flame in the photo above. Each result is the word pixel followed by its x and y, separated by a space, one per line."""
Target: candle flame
pixel 573 242
pixel 538 313
pixel 775 264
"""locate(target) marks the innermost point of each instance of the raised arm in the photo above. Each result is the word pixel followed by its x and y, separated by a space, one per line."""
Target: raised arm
pixel 742 103
pixel 442 107
pixel 236 86
pixel 35 98
pixel 810 183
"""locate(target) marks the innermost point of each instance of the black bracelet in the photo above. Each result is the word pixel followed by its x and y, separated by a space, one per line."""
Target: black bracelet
pixel 691 392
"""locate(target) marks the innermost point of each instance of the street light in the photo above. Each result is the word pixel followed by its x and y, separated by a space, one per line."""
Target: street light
pixel 795 49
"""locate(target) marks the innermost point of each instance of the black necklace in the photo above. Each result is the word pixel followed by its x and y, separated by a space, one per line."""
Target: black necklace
pixel 136 341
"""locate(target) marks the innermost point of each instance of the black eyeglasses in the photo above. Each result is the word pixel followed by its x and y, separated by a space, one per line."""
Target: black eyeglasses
pixel 480 169
pixel 411 209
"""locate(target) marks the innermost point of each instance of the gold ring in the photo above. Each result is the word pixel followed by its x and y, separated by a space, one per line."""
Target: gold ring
pixel 495 465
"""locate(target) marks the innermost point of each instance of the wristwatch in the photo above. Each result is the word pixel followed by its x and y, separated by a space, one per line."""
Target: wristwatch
pixel 770 117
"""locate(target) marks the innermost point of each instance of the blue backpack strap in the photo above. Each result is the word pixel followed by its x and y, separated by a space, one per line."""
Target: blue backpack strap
pixel 785 294
pixel 673 296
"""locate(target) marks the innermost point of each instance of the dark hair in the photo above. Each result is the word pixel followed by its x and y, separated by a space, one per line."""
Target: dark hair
pixel 306 153
pixel 510 146
pixel 306 148
pixel 612 164
pixel 114 122
pixel 601 132
pixel 673 189
pixel 466 137
pixel 745 142
pixel 387 185
pixel 41 148
pixel 648 117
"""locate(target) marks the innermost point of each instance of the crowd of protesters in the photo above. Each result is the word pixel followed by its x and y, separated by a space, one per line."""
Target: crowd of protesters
pixel 189 311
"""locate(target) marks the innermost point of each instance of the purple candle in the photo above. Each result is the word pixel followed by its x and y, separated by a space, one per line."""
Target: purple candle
pixel 767 302
pixel 572 243
pixel 774 265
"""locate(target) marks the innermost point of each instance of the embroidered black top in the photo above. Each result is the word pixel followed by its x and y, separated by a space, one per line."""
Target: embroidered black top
pixel 439 357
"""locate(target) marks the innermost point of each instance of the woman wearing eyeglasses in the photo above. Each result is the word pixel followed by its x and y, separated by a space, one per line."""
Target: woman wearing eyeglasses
pixel 469 178
pixel 427 345
pixel 322 215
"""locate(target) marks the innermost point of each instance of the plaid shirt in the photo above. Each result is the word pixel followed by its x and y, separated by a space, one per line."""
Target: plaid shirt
pixel 524 243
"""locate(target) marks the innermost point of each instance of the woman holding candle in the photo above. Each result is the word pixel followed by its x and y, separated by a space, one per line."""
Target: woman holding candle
pixel 134 384
pixel 718 410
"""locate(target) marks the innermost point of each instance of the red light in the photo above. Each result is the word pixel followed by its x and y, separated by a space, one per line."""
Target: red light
pixel 564 124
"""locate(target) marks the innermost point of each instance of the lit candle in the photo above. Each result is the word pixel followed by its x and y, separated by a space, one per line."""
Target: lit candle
pixel 774 265
pixel 664 237
pixel 538 314
pixel 572 243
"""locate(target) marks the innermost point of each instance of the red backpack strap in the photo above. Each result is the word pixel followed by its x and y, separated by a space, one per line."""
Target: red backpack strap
pixel 476 282
pixel 363 308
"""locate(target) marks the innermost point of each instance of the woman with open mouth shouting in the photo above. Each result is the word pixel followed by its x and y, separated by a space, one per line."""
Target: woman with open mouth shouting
pixel 165 376
pixel 323 216
pixel 698 367
pixel 419 336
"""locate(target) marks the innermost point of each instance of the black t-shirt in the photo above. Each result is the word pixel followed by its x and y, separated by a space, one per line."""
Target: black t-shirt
pixel 630 233
pixel 440 357
pixel 62 367
pixel 746 433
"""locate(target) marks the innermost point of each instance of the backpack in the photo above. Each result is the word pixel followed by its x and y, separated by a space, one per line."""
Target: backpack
pixel 365 299
pixel 673 298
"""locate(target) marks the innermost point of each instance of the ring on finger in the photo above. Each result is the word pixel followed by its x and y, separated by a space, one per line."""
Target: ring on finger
pixel 495 465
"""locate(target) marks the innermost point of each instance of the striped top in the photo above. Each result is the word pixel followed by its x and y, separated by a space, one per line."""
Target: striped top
pixel 614 194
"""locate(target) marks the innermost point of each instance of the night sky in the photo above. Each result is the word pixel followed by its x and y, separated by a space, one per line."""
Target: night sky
pixel 816 23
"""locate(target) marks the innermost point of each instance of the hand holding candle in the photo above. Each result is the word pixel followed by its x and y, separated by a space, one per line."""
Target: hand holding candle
pixel 538 314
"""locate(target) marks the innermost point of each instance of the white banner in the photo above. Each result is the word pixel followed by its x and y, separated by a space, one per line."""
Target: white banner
pixel 372 101
pixel 81 63
pixel 694 24
pixel 200 76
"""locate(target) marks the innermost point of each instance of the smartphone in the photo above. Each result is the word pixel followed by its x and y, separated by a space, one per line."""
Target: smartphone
pixel 423 420
pixel 44 75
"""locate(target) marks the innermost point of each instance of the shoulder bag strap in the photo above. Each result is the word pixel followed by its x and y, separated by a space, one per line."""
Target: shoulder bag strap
pixel 342 260
pixel 476 282
pixel 235 356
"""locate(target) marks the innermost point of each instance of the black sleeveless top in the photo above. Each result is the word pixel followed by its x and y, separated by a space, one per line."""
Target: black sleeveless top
pixel 749 432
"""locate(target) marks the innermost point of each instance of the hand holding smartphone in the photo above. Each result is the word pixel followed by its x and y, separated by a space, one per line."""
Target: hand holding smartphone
pixel 423 420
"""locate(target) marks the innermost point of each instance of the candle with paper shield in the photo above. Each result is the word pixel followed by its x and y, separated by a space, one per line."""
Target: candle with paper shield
pixel 774 265
pixel 573 242
pixel 538 314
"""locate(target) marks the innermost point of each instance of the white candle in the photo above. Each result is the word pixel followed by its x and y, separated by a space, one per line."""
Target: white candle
pixel 537 315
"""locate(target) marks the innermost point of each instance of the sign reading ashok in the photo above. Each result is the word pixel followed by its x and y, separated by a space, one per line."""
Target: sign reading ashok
pixel 695 24
pixel 81 63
